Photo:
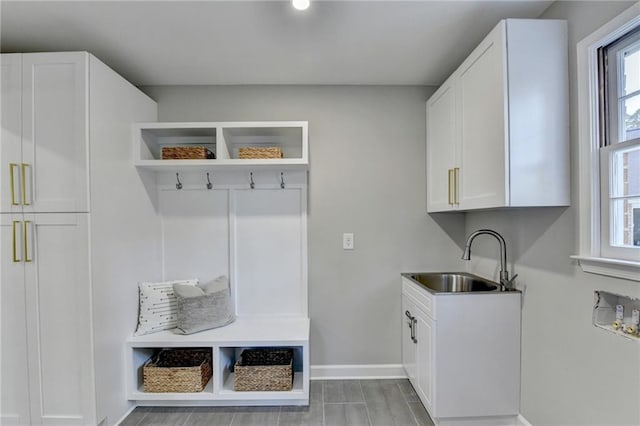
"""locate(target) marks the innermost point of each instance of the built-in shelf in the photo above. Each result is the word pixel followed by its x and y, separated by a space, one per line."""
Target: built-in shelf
pixel 224 139
pixel 226 344
pixel 245 202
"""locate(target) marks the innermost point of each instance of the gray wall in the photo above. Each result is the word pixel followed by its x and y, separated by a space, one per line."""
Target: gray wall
pixel 367 174
pixel 367 177
pixel 572 373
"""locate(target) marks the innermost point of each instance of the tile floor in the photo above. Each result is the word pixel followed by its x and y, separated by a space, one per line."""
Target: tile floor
pixel 332 403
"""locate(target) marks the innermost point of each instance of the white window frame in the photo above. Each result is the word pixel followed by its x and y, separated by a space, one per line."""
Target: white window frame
pixel 590 255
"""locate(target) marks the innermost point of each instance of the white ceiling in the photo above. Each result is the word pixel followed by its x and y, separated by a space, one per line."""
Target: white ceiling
pixel 263 42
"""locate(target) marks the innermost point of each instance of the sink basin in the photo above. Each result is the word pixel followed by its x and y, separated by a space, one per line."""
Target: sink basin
pixel 456 282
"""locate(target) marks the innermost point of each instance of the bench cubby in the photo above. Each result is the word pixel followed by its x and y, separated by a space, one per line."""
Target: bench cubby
pixel 226 344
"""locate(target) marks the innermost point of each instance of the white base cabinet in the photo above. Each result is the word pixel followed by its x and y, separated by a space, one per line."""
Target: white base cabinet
pixel 417 348
pixel 464 357
pixel 497 129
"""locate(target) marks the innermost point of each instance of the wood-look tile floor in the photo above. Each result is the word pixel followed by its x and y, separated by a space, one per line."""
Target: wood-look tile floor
pixel 331 403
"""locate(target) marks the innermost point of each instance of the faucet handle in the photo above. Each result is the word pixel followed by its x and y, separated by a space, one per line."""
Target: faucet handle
pixel 509 284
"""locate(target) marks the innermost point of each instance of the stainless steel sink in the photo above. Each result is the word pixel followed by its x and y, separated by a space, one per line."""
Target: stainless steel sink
pixel 452 282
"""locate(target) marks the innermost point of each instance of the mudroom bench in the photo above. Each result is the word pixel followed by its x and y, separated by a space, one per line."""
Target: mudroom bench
pixel 226 344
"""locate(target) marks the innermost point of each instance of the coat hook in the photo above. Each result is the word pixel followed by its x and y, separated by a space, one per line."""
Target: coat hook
pixel 179 184
pixel 281 180
pixel 252 184
pixel 209 184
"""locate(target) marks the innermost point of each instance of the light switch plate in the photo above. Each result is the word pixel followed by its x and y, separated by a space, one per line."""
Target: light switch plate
pixel 347 241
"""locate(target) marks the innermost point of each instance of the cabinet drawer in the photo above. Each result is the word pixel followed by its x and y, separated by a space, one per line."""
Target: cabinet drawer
pixel 421 297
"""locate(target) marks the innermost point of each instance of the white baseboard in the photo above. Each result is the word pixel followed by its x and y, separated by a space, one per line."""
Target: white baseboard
pixel 478 421
pixel 521 421
pixel 364 371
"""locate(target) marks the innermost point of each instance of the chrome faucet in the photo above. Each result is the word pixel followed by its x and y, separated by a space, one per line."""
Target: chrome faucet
pixel 505 282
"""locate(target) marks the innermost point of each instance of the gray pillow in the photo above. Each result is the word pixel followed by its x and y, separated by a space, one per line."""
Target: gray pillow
pixel 203 306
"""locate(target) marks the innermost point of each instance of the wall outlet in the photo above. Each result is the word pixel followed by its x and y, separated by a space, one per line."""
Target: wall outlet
pixel 347 241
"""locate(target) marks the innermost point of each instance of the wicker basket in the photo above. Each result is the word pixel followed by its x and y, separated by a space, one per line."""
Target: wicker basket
pixel 256 152
pixel 178 370
pixel 186 153
pixel 264 369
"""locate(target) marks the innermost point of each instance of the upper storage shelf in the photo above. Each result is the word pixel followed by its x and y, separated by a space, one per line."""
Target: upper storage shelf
pixel 224 139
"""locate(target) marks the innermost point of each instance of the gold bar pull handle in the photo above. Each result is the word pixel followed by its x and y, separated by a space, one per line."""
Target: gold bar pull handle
pixel 456 173
pixel 23 175
pixel 12 181
pixel 449 200
pixel 25 241
pixel 14 228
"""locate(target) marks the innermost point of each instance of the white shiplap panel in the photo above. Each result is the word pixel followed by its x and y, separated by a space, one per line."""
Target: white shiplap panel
pixel 268 232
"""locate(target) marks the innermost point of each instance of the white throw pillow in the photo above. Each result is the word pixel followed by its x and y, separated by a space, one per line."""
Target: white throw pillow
pixel 157 308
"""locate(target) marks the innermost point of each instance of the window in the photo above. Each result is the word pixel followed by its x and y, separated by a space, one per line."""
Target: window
pixel 608 70
pixel 619 107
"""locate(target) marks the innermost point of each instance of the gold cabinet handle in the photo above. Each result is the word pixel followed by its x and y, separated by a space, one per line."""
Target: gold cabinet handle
pixel 23 170
pixel 456 172
pixel 14 227
pixel 449 171
pixel 12 167
pixel 25 240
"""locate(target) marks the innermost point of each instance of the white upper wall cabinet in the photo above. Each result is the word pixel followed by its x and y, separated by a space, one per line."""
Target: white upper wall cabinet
pixel 44 151
pixel 224 139
pixel 498 128
pixel 443 142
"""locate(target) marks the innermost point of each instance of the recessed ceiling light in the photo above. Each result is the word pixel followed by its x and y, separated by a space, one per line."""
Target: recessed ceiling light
pixel 301 4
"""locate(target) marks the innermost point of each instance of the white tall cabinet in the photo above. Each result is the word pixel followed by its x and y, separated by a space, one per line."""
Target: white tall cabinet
pixel 498 128
pixel 65 152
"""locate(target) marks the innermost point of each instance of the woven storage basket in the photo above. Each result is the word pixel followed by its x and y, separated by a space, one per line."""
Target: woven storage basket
pixel 178 370
pixel 255 152
pixel 264 369
pixel 186 153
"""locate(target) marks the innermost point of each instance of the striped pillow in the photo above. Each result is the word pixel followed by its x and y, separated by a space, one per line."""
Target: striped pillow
pixel 157 308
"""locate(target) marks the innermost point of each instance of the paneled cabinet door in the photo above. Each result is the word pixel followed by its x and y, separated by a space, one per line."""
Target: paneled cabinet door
pixel 44 152
pixel 11 121
pixel 482 85
pixel 58 309
pixel 14 393
pixel 55 132
pixel 442 149
pixel 424 331
pixel 408 345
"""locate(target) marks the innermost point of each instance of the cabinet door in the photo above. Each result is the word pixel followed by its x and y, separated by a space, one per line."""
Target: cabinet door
pixel 408 346
pixel 55 132
pixel 442 145
pixel 58 318
pixel 11 147
pixel 14 402
pixel 482 85
pixel 425 332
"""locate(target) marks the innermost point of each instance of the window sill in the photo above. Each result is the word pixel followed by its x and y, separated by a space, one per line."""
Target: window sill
pixel 625 269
